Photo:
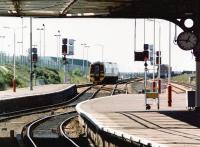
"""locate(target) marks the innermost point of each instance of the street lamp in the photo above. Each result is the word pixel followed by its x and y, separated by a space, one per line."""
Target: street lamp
pixel 22 40
pixel 14 68
pixel 102 50
pixel 14 46
pixel 40 29
pixel 44 38
pixel 83 44
pixel 87 47
pixel 2 50
pixel 19 42
pixel 58 45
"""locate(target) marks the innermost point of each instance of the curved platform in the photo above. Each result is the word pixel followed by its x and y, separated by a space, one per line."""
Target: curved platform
pixel 123 117
pixel 40 96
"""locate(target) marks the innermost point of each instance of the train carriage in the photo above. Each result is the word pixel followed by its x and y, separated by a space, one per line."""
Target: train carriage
pixel 103 72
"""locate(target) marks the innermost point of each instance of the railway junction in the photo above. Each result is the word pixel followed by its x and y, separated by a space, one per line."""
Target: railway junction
pixel 117 120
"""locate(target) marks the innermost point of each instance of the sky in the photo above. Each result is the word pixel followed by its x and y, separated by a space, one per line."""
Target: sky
pixel 112 37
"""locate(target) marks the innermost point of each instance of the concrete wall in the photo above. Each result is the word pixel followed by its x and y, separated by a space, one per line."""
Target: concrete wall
pixel 102 138
pixel 20 103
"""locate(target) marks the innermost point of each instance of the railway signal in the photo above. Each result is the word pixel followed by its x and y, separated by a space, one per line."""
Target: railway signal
pixel 64 49
pixel 146 51
pixel 34 55
pixel 158 57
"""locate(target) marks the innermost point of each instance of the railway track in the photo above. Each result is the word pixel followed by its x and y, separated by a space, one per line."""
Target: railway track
pixel 93 91
pixel 120 88
pixel 45 130
pixel 178 87
pixel 42 109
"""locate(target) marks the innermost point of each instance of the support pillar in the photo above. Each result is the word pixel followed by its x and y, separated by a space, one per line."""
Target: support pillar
pixel 197 94
pixel 196 52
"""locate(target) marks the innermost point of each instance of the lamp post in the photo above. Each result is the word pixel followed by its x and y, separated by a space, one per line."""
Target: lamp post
pixel 44 38
pixel 40 42
pixel 31 67
pixel 22 40
pixel 58 45
pixel 83 66
pixel 19 42
pixel 102 50
pixel 87 47
pixel 14 68
pixel 14 53
pixel 2 50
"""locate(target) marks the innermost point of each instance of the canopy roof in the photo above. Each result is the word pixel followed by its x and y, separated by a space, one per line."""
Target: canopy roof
pixel 100 8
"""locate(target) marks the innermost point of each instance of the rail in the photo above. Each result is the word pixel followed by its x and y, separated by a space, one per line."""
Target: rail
pixel 30 127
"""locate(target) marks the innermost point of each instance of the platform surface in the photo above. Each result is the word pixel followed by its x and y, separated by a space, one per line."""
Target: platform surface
pixel 22 92
pixel 126 115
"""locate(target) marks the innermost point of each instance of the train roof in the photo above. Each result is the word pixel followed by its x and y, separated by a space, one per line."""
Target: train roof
pixel 98 62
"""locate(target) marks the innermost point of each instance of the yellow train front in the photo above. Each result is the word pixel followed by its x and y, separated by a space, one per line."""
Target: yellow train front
pixel 103 72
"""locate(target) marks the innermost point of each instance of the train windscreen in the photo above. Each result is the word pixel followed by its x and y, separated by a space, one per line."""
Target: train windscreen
pixel 96 71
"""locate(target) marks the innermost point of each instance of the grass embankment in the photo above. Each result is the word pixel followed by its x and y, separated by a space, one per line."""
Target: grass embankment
pixel 43 76
pixel 75 76
pixel 184 78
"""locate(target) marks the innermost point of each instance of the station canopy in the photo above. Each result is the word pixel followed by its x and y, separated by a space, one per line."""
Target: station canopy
pixel 100 8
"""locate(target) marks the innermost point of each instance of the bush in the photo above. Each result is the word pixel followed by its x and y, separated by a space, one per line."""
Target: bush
pixel 49 76
pixel 2 82
pixel 77 72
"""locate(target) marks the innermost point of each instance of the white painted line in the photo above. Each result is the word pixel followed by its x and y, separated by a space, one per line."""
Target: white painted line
pixel 115 132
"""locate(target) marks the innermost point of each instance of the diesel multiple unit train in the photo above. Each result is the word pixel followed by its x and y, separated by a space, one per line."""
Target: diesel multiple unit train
pixel 103 72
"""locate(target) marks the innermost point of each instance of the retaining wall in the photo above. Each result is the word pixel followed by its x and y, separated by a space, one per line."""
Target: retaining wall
pixel 20 103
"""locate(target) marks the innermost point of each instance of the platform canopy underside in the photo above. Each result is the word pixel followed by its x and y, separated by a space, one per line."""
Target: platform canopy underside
pixel 101 8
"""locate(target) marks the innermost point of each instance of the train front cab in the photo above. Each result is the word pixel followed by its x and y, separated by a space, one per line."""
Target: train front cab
pixel 96 73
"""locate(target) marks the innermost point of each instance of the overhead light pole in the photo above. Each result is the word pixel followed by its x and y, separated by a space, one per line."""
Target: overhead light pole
pixel 22 40
pixel 44 29
pixel 2 50
pixel 87 47
pixel 83 66
pixel 14 68
pixel 31 67
pixel 102 50
pixel 40 42
pixel 58 45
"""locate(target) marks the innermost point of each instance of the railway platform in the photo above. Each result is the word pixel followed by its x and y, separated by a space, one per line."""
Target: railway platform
pixel 23 98
pixel 22 92
pixel 123 121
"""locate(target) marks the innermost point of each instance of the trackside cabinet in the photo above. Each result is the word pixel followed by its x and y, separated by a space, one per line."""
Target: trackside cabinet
pixel 190 99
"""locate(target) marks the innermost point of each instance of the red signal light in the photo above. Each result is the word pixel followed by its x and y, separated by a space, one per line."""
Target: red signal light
pixel 34 58
pixel 64 49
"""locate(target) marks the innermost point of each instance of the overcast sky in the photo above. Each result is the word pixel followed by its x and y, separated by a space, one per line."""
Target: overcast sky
pixel 115 36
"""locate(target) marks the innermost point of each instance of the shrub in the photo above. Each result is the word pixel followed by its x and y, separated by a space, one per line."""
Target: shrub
pixel 2 82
